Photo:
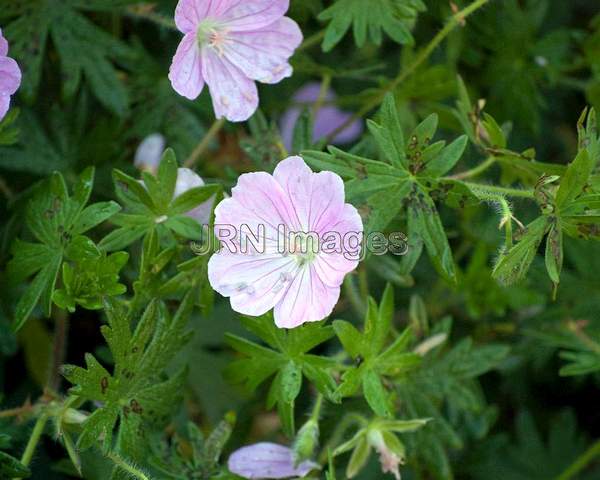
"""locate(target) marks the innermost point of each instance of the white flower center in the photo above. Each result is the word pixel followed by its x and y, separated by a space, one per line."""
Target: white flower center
pixel 212 34
pixel 304 247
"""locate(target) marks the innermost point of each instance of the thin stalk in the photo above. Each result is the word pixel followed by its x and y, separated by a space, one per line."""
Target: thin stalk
pixel 132 470
pixel 311 41
pixel 494 189
pixel 316 413
pixel 61 329
pixel 478 170
pixel 454 21
pixel 146 12
pixel 34 439
pixel 581 462
pixel 203 145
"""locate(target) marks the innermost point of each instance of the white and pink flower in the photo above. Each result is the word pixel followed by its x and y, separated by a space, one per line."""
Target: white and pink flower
pixel 301 220
pixel 230 44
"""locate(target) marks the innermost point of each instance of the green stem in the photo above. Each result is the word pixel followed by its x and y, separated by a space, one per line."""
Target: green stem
pixel 203 145
pixel 316 413
pixel 354 296
pixel 581 462
pixel 346 422
pixel 496 190
pixel 478 170
pixel 454 21
pixel 121 463
pixel 311 41
pixel 146 13
pixel 34 439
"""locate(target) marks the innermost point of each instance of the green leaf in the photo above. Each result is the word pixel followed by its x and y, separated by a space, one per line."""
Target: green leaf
pixel 136 391
pixel 574 179
pixel 394 17
pixel 359 458
pixel 554 253
pixel 84 50
pixel 447 158
pixel 94 215
pixel 512 266
pixel 375 394
pixel 192 198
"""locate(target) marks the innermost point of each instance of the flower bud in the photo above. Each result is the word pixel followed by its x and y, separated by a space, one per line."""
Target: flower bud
pixel 306 441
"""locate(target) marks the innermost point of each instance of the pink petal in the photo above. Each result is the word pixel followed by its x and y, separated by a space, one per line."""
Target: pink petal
pixel 3 45
pixel 186 69
pixel 4 105
pixel 10 76
pixel 267 460
pixel 317 198
pixel 243 15
pixel 307 299
pixel 255 283
pixel 234 95
pixel 189 13
pixel 263 54
pixel 257 200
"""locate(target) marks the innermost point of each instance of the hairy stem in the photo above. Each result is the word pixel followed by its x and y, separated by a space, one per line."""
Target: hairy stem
pixel 203 145
pixel 316 413
pixel 455 20
pixel 127 467
pixel 581 462
pixel 496 190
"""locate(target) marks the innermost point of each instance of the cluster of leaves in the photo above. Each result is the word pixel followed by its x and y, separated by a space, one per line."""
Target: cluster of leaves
pixel 408 179
pixel 571 209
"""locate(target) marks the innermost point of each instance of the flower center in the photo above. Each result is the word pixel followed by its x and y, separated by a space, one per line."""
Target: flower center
pixel 304 247
pixel 212 34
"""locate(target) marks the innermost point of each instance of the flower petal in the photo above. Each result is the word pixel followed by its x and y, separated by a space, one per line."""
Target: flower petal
pixel 186 69
pixel 234 95
pixel 263 54
pixel 307 299
pixel 10 76
pixel 254 283
pixel 257 202
pixel 317 198
pixel 189 13
pixel 4 105
pixel 149 152
pixel 267 460
pixel 3 45
pixel 243 15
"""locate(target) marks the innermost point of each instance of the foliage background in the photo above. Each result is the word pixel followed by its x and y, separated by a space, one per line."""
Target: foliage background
pixel 95 84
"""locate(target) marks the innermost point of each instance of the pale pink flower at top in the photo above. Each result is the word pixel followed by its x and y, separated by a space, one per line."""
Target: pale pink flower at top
pixel 10 77
pixel 308 240
pixel 230 44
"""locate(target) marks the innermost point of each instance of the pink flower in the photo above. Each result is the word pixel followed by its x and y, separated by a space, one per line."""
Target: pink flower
pixel 229 44
pixel 267 460
pixel 308 239
pixel 10 77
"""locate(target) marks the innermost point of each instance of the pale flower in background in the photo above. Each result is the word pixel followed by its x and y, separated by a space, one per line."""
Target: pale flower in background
pixel 301 284
pixel 266 461
pixel 327 119
pixel 230 44
pixel 149 152
pixel 10 77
